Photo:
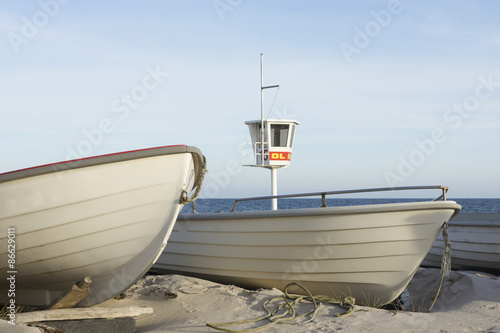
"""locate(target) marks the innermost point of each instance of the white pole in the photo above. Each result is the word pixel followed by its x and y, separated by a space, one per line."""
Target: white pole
pixel 274 188
pixel 274 182
pixel 262 134
pixel 262 109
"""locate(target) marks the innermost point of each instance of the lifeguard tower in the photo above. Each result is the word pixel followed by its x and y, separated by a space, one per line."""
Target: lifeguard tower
pixel 272 141
pixel 275 151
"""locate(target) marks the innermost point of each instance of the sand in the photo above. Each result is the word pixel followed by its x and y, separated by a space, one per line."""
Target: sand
pixel 469 302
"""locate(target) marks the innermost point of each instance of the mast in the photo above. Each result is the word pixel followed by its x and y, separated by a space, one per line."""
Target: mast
pixel 274 182
pixel 262 109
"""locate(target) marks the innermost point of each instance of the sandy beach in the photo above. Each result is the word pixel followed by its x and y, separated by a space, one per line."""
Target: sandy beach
pixel 469 302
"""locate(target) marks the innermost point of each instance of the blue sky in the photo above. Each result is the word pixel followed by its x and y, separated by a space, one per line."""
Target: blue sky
pixel 387 93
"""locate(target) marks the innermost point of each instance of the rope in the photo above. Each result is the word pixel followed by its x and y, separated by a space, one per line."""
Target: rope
pixel 274 100
pixel 184 197
pixel 289 313
pixel 445 262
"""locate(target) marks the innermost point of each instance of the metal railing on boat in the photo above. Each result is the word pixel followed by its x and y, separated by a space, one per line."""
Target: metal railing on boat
pixel 444 189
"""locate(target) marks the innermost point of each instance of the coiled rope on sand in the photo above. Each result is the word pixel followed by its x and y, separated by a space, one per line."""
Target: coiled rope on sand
pixel 290 301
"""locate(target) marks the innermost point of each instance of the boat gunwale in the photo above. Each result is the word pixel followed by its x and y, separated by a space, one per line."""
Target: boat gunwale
pixel 103 159
pixel 479 224
pixel 321 211
pixel 477 220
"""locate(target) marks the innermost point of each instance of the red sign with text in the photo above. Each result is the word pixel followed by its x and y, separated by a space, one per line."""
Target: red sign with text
pixel 281 156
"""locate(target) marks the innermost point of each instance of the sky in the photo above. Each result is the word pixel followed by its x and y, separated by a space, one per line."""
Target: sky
pixel 387 93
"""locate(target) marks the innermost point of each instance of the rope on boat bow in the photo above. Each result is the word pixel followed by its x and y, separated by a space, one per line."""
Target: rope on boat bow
pixel 290 301
pixel 184 196
pixel 445 261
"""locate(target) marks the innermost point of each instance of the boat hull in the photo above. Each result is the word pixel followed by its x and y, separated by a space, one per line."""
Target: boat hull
pixel 475 243
pixel 107 219
pixel 370 252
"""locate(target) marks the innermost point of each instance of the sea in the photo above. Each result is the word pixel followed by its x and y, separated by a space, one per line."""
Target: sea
pixel 203 205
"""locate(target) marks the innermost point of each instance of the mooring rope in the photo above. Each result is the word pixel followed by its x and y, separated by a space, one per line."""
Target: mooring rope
pixel 203 170
pixel 289 313
pixel 445 262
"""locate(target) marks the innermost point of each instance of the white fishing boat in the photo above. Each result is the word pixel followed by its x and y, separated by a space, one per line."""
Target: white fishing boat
pixel 370 252
pixel 106 218
pixel 475 240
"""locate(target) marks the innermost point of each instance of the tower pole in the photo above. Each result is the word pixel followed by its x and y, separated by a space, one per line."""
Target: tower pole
pixel 274 181
pixel 262 109
pixel 274 188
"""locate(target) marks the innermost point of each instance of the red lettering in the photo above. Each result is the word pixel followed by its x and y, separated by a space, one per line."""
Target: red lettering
pixel 281 156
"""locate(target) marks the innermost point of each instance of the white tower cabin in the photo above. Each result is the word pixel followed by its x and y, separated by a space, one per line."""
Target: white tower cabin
pixel 272 141
pixel 275 151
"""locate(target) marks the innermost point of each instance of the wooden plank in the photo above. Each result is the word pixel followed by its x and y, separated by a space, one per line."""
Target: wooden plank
pixel 72 296
pixel 121 325
pixel 80 313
